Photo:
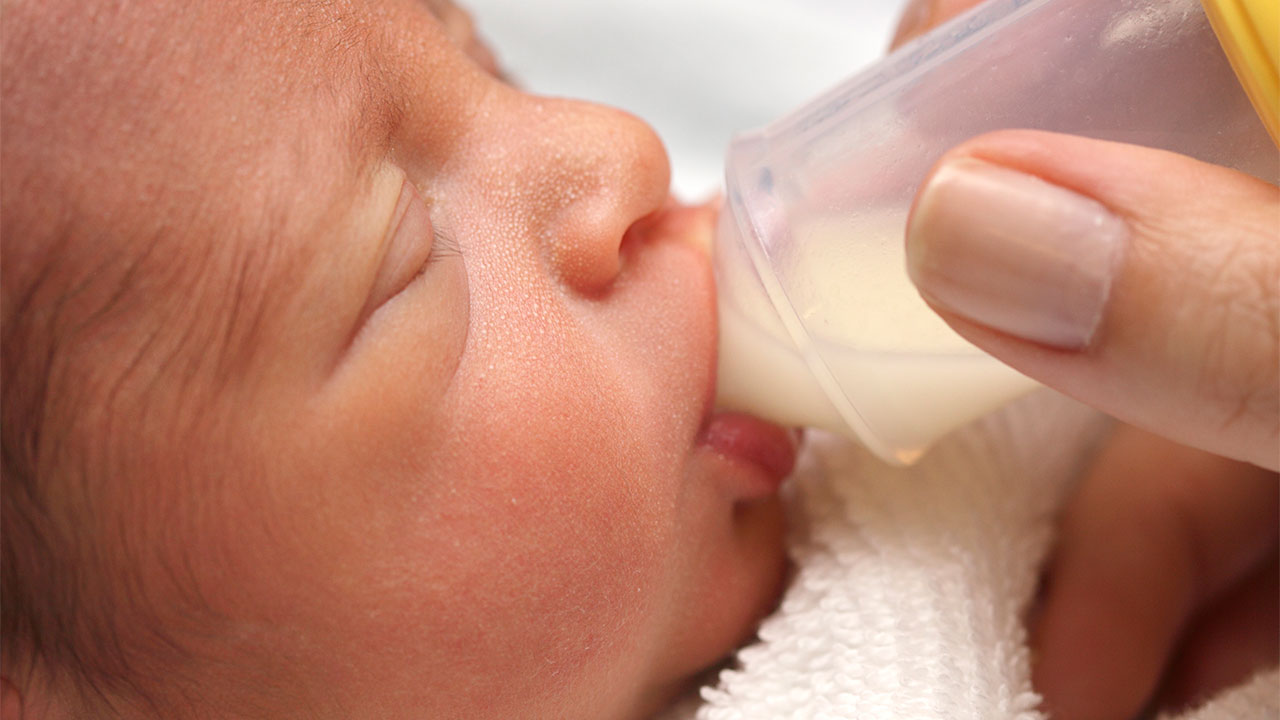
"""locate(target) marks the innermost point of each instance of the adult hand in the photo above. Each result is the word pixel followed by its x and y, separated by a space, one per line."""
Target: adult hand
pixel 1146 284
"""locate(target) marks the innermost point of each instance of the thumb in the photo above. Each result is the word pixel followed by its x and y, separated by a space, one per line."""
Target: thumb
pixel 1141 282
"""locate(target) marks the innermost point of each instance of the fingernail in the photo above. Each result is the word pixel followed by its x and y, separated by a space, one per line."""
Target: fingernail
pixel 914 20
pixel 1014 252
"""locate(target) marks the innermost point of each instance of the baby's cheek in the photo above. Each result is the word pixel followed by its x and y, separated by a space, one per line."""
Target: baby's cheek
pixel 560 532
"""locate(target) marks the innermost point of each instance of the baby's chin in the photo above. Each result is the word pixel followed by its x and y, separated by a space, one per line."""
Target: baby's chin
pixel 727 612
pixel 765 522
pixel 742 590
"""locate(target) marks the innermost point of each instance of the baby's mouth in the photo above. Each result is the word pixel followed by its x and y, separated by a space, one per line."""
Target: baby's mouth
pixel 764 450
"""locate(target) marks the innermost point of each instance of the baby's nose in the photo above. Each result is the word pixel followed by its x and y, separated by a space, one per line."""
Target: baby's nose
pixel 597 171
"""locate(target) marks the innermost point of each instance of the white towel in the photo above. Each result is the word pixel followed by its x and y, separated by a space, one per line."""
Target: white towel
pixel 912 583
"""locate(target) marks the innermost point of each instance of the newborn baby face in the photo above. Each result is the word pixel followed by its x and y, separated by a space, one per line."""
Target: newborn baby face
pixel 379 388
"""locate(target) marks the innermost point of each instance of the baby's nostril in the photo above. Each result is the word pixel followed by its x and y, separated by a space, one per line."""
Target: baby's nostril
pixel 592 238
pixel 598 173
pixel 587 261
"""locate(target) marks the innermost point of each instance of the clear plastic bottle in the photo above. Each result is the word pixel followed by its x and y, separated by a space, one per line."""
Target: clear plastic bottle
pixel 819 324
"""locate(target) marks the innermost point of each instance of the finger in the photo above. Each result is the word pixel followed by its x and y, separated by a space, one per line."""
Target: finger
pixel 1141 282
pixel 1228 641
pixel 1155 532
pixel 920 16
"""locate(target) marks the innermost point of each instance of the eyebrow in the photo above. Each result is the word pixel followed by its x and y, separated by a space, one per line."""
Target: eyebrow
pixel 370 116
pixel 368 132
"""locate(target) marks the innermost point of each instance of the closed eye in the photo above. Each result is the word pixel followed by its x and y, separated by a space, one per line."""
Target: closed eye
pixel 410 245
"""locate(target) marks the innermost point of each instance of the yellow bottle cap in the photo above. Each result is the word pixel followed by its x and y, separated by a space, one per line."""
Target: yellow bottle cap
pixel 1249 31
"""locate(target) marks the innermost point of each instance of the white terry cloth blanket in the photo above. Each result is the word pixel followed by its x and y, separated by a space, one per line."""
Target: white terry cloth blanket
pixel 912 582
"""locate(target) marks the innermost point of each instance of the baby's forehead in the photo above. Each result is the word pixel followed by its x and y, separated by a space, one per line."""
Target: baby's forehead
pixel 150 116
pixel 126 71
pixel 155 149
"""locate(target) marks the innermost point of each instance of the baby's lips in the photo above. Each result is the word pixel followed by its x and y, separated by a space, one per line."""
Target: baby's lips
pixel 768 447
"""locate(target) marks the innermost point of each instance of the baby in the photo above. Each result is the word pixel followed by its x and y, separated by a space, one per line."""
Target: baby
pixel 343 379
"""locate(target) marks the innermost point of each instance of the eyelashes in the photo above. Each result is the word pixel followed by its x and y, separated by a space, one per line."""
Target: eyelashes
pixel 412 245
pixel 416 263
pixel 443 245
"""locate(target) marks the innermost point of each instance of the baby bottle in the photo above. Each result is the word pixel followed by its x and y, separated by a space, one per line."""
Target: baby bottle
pixel 820 326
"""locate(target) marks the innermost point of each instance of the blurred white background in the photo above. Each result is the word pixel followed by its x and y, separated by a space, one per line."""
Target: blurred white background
pixel 697 70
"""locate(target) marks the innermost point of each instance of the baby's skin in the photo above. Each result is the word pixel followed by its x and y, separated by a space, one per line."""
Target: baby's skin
pixel 343 379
